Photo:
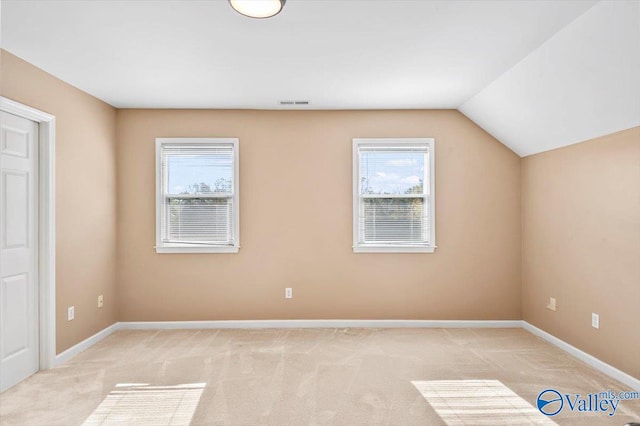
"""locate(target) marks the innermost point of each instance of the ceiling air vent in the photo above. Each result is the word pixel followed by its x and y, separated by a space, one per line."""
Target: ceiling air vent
pixel 293 102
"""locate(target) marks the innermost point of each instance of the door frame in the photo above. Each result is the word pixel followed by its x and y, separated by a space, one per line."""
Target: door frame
pixel 46 224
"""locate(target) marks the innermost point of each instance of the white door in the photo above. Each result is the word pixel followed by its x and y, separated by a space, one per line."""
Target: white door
pixel 19 351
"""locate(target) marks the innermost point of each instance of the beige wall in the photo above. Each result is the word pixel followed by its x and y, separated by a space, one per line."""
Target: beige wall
pixel 296 222
pixel 581 245
pixel 85 195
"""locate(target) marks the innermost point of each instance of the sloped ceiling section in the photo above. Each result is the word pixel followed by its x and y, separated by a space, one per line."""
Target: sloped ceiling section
pixel 582 83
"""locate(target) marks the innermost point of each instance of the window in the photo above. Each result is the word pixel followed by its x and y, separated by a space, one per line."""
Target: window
pixel 197 195
pixel 393 187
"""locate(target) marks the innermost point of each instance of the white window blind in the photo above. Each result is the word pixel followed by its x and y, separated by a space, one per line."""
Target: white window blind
pixel 197 205
pixel 393 186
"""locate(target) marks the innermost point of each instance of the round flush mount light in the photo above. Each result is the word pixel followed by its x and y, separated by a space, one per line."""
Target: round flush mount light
pixel 257 8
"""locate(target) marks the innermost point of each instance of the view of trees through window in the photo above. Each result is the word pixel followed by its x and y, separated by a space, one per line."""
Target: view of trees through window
pixel 199 195
pixel 385 215
pixel 201 219
pixel 220 185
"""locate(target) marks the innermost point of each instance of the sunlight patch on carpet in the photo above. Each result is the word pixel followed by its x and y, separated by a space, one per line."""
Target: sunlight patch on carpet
pixel 479 402
pixel 143 404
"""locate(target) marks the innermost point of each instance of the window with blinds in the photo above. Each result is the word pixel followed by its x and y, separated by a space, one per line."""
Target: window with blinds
pixel 393 195
pixel 197 195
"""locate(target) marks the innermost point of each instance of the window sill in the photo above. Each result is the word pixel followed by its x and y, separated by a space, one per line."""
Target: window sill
pixel 174 248
pixel 393 249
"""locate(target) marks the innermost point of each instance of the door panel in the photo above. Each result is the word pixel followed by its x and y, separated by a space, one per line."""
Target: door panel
pixel 15 142
pixel 16 218
pixel 19 351
pixel 15 290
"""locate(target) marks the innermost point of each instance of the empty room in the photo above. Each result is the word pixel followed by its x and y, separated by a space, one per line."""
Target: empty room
pixel 319 212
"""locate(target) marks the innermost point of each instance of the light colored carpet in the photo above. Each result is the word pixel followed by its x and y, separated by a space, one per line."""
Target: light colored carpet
pixel 341 377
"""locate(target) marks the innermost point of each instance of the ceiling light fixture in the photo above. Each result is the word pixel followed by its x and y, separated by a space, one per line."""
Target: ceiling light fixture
pixel 257 8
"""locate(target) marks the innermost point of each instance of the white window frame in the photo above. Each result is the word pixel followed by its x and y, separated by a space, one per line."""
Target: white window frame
pixel 192 248
pixel 429 198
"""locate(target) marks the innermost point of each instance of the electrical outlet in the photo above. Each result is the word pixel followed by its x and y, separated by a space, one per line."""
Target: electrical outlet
pixel 552 304
pixel 595 320
pixel 100 301
pixel 288 293
pixel 71 313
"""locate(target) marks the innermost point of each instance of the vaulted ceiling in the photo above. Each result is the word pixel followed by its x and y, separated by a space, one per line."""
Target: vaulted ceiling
pixel 537 75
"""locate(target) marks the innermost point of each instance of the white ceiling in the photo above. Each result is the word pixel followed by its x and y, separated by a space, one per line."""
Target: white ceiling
pixel 582 83
pixel 336 54
pixel 339 54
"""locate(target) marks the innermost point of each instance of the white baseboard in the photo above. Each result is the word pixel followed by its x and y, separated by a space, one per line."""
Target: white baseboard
pixel 594 362
pixel 85 344
pixel 175 325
